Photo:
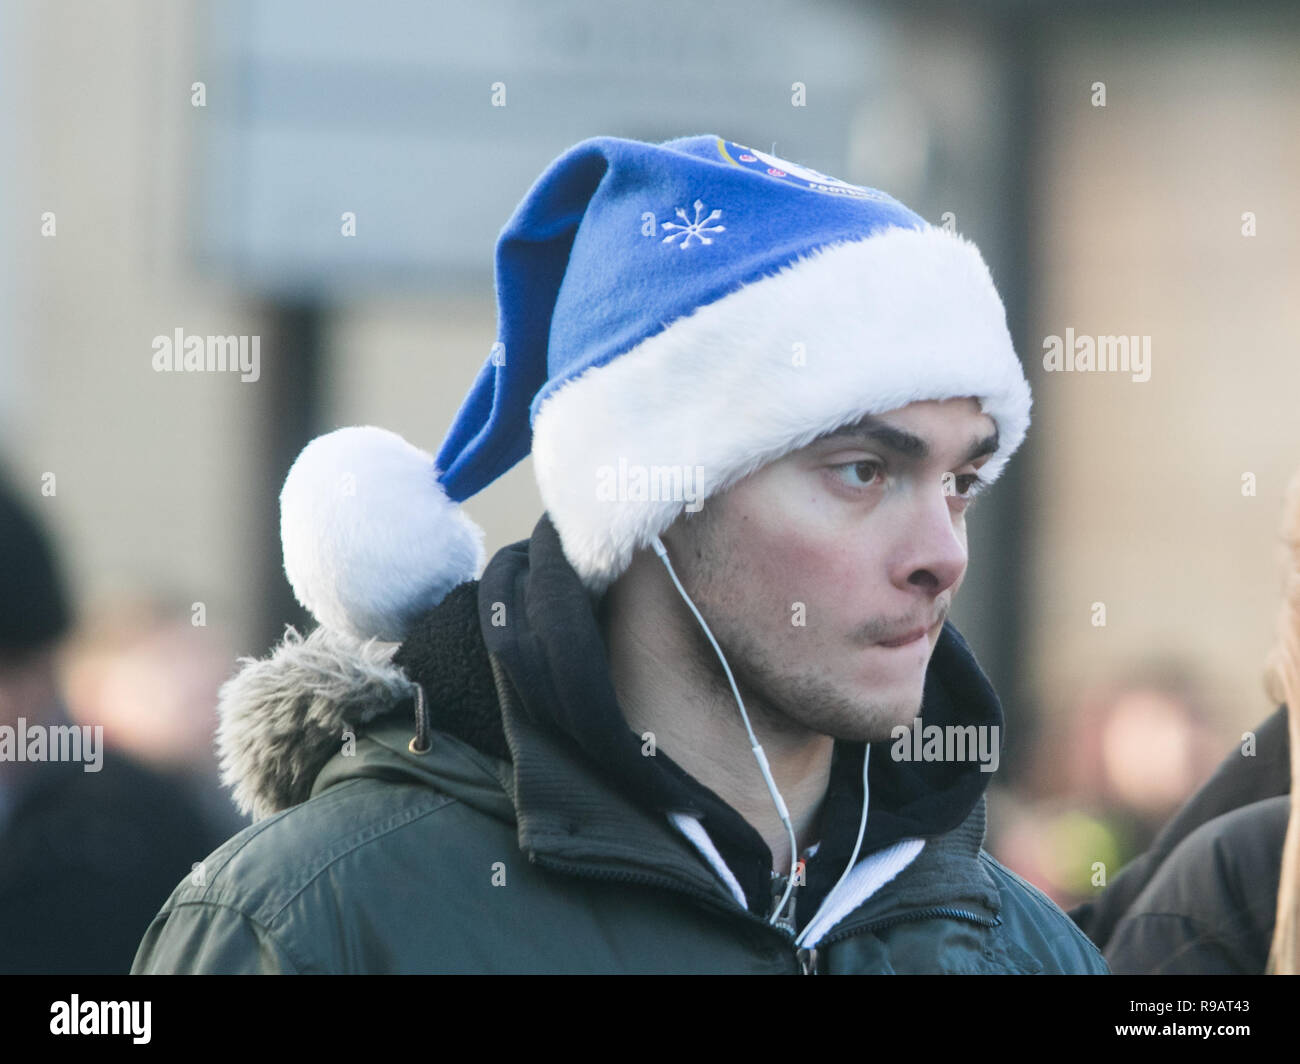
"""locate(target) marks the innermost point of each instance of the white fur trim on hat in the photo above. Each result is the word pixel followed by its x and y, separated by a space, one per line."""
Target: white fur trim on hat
pixel 856 328
pixel 370 538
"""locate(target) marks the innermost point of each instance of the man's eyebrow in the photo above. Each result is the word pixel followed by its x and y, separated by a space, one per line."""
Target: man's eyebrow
pixel 902 442
pixel 980 448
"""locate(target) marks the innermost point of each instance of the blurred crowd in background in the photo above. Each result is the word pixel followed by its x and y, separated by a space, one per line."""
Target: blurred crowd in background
pixel 1104 779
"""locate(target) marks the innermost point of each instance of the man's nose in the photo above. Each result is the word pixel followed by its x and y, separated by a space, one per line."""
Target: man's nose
pixel 931 552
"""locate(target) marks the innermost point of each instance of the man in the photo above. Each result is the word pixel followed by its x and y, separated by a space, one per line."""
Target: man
pixel 758 401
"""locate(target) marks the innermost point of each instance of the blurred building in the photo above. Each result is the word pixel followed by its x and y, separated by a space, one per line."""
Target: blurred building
pixel 1127 173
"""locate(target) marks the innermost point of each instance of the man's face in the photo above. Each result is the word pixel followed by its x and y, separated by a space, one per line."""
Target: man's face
pixel 826 575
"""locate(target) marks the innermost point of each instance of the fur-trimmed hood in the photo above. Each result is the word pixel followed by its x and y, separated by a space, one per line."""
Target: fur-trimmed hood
pixel 284 716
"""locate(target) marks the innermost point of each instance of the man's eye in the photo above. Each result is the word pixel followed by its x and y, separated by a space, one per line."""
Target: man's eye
pixel 859 474
pixel 968 485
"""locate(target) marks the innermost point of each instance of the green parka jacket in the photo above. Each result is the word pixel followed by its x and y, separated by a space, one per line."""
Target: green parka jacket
pixel 504 849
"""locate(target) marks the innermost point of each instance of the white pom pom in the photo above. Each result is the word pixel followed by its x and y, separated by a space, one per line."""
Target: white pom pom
pixel 370 538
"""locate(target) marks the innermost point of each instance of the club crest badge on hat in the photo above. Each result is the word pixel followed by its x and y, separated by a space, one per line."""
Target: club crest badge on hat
pixel 783 169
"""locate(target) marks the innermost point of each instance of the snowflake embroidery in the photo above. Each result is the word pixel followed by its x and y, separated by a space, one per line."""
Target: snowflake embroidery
pixel 696 228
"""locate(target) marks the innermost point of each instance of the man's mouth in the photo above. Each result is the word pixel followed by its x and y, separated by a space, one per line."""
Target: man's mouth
pixel 906 639
pixel 910 636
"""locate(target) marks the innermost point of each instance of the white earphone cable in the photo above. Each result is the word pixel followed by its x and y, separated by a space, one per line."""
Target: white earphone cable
pixel 757 750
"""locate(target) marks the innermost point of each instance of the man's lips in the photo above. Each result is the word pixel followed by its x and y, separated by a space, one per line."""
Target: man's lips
pixel 905 638
pixel 908 637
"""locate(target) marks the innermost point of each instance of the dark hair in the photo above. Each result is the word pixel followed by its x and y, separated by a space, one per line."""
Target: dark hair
pixel 33 605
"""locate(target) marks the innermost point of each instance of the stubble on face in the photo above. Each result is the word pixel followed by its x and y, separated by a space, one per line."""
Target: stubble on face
pixel 777 667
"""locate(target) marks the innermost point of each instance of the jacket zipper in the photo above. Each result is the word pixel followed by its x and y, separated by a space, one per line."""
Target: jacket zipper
pixel 667 883
pixel 807 958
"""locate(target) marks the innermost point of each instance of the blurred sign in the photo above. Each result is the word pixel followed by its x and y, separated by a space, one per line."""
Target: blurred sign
pixel 349 148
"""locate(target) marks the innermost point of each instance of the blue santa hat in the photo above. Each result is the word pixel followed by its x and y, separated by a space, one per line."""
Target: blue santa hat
pixel 688 310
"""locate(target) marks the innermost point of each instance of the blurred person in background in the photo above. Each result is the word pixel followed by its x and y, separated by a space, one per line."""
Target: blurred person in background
pixel 1139 745
pixel 1283 679
pixel 148 670
pixel 1218 891
pixel 90 842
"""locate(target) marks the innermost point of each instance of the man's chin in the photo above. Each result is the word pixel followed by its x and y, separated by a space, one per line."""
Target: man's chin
pixel 890 710
pixel 875 721
pixel 849 710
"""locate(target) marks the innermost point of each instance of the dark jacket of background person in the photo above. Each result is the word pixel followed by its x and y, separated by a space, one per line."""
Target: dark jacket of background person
pixel 1203 897
pixel 532 835
pixel 85 857
pixel 1210 907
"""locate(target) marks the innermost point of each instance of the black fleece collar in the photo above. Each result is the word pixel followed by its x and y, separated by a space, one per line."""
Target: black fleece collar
pixel 540 623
